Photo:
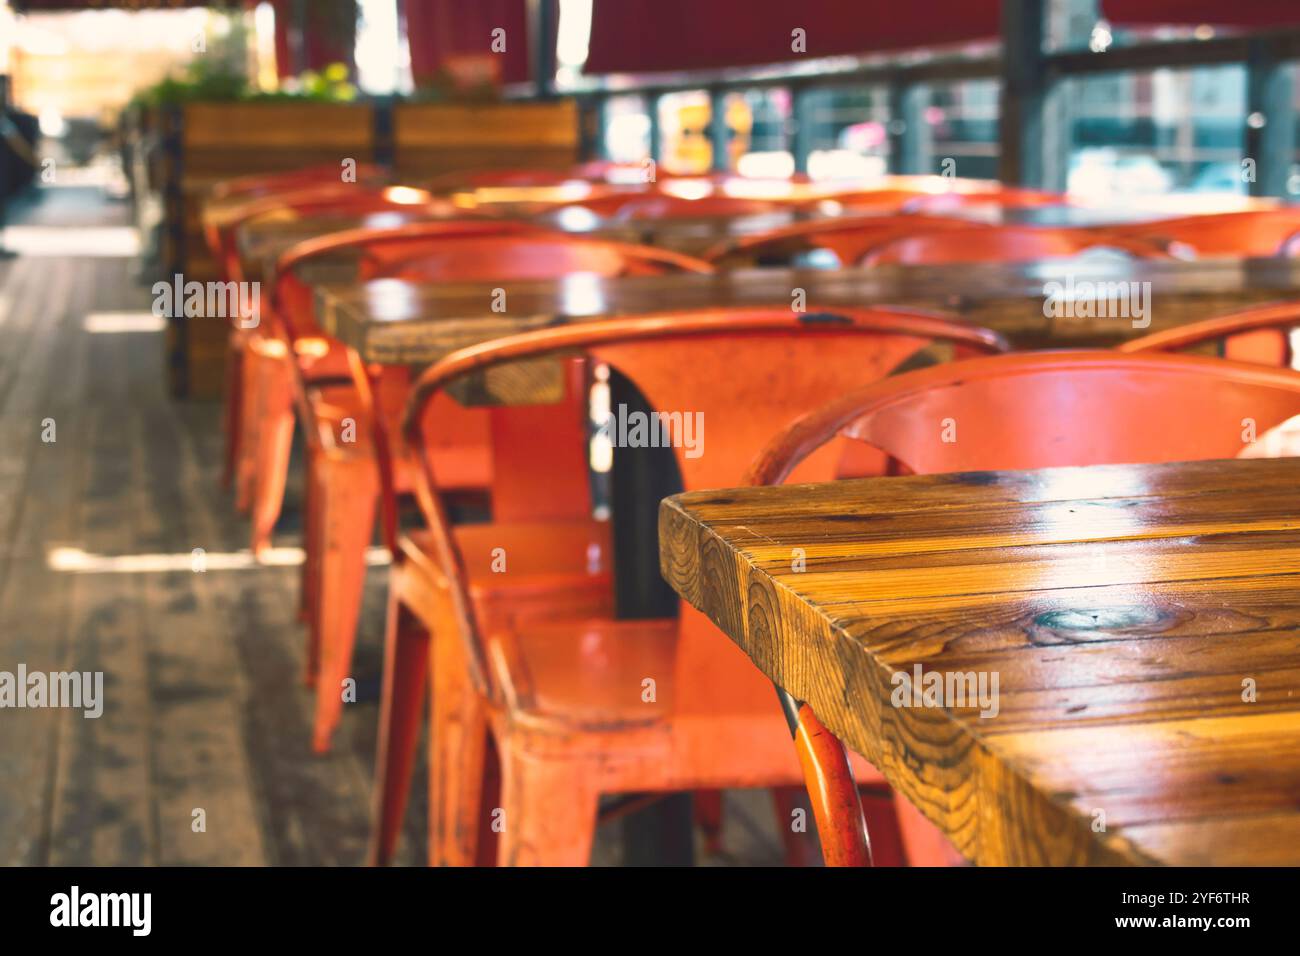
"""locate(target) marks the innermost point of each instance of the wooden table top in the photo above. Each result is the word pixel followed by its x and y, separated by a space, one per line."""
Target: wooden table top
pixel 1141 622
pixel 263 241
pixel 398 322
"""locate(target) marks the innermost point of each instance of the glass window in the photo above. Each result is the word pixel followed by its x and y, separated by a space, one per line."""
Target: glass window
pixel 627 128
pixel 1293 181
pixel 848 132
pixel 759 126
pixel 959 131
pixel 685 148
pixel 1155 132
pixel 1076 25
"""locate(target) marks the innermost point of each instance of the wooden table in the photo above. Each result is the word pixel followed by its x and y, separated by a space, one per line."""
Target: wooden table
pixel 1141 622
pixel 262 242
pixel 402 322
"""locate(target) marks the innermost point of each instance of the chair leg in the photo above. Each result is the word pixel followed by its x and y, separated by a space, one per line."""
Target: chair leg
pixel 274 447
pixel 406 670
pixel 837 806
pixel 313 543
pixel 307 576
pixel 549 809
pixel 488 838
pixel 707 805
pixel 458 744
pixel 233 413
pixel 347 513
pixel 254 370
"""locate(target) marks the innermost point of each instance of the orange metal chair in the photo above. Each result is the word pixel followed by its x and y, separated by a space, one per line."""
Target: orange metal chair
pixel 1257 232
pixel 263 184
pixel 492 178
pixel 1003 197
pixel 269 377
pixel 883 201
pixel 220 231
pixel 595 171
pixel 1026 410
pixel 344 478
pixel 850 238
pixel 221 220
pixel 1261 334
pixel 531 254
pixel 1003 244
pixel 936 195
pixel 588 705
pixel 631 207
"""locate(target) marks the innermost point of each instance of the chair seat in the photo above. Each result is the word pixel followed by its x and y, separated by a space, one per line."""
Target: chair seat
pixel 582 683
pixel 525 570
pixel 588 673
pixel 573 676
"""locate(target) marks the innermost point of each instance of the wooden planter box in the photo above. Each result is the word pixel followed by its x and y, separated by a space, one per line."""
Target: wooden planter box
pixel 210 142
pixel 436 138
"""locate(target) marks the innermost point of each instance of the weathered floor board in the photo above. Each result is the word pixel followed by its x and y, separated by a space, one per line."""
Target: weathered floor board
pixel 204 704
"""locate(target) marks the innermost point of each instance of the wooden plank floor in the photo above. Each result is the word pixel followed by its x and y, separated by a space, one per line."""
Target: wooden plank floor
pixel 204 705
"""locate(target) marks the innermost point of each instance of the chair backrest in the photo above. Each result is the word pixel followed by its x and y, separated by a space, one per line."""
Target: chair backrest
pixel 291 298
pixel 461 250
pixel 1003 244
pixel 880 201
pixel 1257 232
pixel 653 205
pixel 263 184
pixel 518 434
pixel 488 178
pixel 849 238
pixel 524 254
pixel 720 381
pixel 1049 409
pixel 475 250
pixel 220 225
pixel 1260 334
pixel 1003 197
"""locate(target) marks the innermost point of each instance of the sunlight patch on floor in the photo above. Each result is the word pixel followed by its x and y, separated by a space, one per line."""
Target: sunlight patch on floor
pixel 95 241
pixel 77 561
pixel 101 323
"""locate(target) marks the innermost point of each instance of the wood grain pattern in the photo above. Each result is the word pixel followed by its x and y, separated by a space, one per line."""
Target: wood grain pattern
pixel 1123 609
pixel 399 322
pixel 436 138
pixel 294 126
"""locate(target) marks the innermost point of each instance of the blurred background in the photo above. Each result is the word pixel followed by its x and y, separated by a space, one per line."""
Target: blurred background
pixel 1115 132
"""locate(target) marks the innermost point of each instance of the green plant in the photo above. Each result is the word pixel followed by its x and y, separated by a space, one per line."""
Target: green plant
pixel 211 81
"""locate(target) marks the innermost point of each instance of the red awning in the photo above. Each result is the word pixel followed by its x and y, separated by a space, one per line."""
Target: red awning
pixel 327 35
pixel 439 30
pixel 1252 14
pixel 650 36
